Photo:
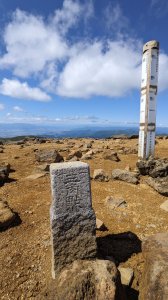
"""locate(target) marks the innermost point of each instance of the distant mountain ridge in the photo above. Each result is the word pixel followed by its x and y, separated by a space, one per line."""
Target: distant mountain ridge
pixel 13 130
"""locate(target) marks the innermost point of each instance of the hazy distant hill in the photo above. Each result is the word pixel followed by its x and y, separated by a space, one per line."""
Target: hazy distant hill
pixel 12 130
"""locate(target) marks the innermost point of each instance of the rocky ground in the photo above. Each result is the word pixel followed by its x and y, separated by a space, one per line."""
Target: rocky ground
pixel 25 259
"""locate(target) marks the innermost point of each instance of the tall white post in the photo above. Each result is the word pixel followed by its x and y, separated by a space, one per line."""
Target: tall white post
pixel 149 85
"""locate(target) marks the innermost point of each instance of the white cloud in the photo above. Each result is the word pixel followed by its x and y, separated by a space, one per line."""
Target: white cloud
pixel 112 72
pixel 41 48
pixel 68 16
pixel 30 44
pixel 17 108
pixel 2 107
pixel 115 20
pixel 21 90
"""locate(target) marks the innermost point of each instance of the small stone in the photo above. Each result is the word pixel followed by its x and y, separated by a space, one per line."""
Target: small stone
pixel 111 155
pixel 127 275
pixel 7 216
pixel 164 205
pixel 100 175
pixel 35 176
pixel 88 155
pixel 75 154
pixel 100 225
pixel 114 203
pixel 44 167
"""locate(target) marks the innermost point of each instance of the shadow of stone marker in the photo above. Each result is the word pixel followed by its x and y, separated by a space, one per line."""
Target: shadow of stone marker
pixel 73 221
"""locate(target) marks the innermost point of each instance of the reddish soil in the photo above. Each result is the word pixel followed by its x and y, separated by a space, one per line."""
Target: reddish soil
pixel 25 259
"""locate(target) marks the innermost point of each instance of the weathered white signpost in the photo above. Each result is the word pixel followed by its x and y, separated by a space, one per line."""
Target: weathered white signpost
pixel 148 99
pixel 73 221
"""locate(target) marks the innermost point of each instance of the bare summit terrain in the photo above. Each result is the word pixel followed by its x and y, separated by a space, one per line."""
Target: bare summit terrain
pixel 25 260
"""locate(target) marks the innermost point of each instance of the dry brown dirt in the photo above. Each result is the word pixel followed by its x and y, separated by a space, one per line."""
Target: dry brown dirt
pixel 25 250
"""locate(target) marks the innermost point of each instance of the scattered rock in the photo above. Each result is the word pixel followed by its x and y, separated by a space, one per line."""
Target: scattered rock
pixel 114 203
pixel 159 184
pixel 4 172
pixel 100 225
pixel 119 136
pixel 76 154
pixel 39 141
pixel 154 280
pixel 127 275
pixel 164 205
pixel 124 175
pixel 7 216
pixel 100 175
pixel 74 158
pixel 94 279
pixel 127 168
pixel 153 167
pixel 111 155
pixel 49 156
pixel 87 145
pixel 36 176
pixel 44 167
pixel 88 155
pixel 1 151
pixel 127 150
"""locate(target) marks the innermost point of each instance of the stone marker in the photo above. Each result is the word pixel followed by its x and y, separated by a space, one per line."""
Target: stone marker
pixel 73 222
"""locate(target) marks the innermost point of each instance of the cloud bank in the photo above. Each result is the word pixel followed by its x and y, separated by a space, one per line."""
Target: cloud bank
pixel 43 50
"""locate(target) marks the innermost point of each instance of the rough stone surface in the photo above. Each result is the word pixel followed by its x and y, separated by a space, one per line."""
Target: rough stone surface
pixel 126 275
pixel 154 280
pixel 153 167
pixel 159 184
pixel 100 175
pixel 124 175
pixel 73 222
pixel 49 156
pixel 7 216
pixel 164 205
pixel 96 279
pixel 111 155
pixel 114 203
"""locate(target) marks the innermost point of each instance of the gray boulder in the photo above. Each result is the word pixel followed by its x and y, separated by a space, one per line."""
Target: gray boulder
pixel 159 184
pixel 7 216
pixel 154 278
pixel 124 175
pixel 153 167
pixel 48 156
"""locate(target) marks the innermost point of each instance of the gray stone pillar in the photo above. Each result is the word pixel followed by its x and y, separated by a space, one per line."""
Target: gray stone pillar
pixel 73 221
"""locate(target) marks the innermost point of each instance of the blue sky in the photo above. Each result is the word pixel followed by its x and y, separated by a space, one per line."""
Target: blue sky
pixel 79 62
